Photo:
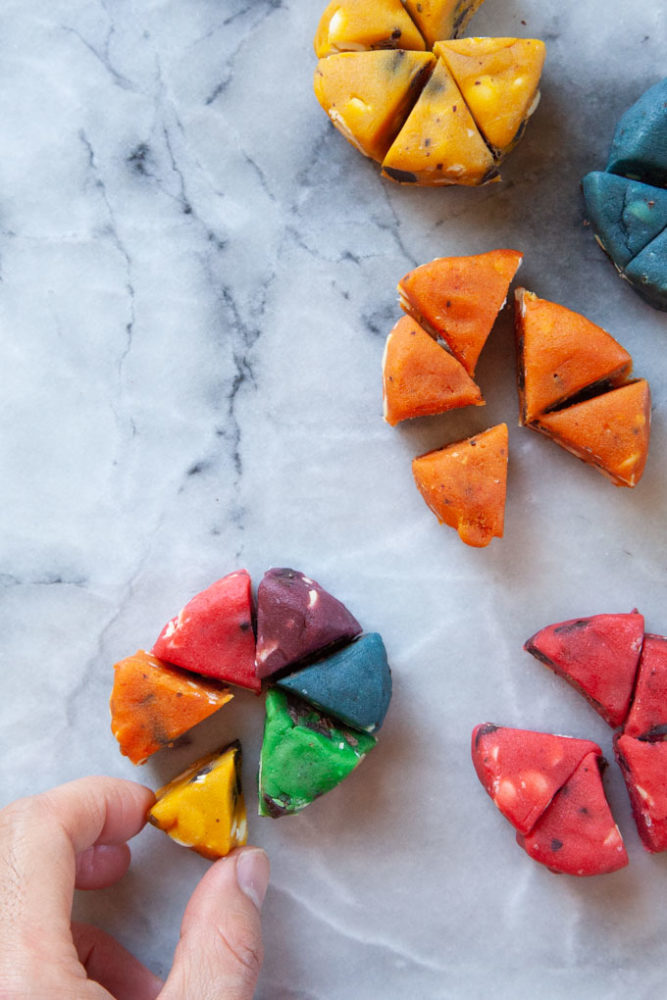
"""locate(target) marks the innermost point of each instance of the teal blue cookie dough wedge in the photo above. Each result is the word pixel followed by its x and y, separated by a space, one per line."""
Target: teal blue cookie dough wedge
pixel 627 202
pixel 625 214
pixel 353 684
pixel 639 146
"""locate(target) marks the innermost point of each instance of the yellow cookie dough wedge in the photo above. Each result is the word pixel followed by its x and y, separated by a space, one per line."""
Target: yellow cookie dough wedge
pixel 441 18
pixel 440 143
pixel 368 95
pixel 357 25
pixel 203 807
pixel 499 79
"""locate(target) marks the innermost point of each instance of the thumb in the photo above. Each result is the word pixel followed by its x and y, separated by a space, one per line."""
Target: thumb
pixel 219 954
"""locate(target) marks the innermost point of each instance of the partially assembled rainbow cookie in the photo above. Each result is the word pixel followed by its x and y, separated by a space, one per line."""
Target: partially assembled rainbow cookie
pixel 430 107
pixel 330 688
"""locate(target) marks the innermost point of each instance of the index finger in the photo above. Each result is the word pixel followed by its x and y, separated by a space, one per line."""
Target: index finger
pixel 40 837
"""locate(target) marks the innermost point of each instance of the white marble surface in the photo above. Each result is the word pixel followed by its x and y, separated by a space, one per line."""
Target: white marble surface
pixel 197 276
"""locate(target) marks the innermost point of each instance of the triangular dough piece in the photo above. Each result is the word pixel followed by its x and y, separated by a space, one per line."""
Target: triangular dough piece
pixel 442 18
pixel 610 432
pixel 459 298
pixel 297 618
pixel 560 353
pixel 625 215
pixel 352 684
pixel 522 770
pixel 639 147
pixel 597 655
pixel 354 25
pixel 304 754
pixel 203 808
pixel 465 485
pixel 213 634
pixel 577 835
pixel 644 767
pixel 647 272
pixel 440 143
pixel 369 95
pixel 648 714
pixel 420 377
pixel 152 704
pixel 499 79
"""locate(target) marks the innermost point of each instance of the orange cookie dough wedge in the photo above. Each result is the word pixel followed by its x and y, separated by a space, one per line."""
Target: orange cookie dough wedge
pixel 442 18
pixel 561 354
pixel 440 143
pixel 499 79
pixel 358 25
pixel 458 298
pixel 420 377
pixel 465 485
pixel 610 431
pixel 369 95
pixel 153 703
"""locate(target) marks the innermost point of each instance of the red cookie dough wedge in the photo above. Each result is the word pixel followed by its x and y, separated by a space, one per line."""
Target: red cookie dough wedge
pixel 577 835
pixel 420 377
pixel 648 713
pixel 597 655
pixel 522 770
pixel 213 633
pixel 611 431
pixel 152 704
pixel 644 767
pixel 465 485
pixel 559 354
pixel 458 298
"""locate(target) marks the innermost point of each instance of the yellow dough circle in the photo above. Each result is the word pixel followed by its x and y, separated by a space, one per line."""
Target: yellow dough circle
pixel 433 109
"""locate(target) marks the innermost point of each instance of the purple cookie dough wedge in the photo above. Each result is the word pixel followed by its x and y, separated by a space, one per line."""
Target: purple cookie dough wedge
pixel 297 618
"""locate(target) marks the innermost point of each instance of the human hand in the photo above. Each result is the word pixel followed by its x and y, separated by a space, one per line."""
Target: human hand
pixel 76 836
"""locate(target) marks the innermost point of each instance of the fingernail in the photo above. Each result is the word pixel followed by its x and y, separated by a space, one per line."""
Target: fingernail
pixel 252 874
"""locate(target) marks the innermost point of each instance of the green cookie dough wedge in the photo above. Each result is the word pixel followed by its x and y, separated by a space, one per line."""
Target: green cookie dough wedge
pixel 304 754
